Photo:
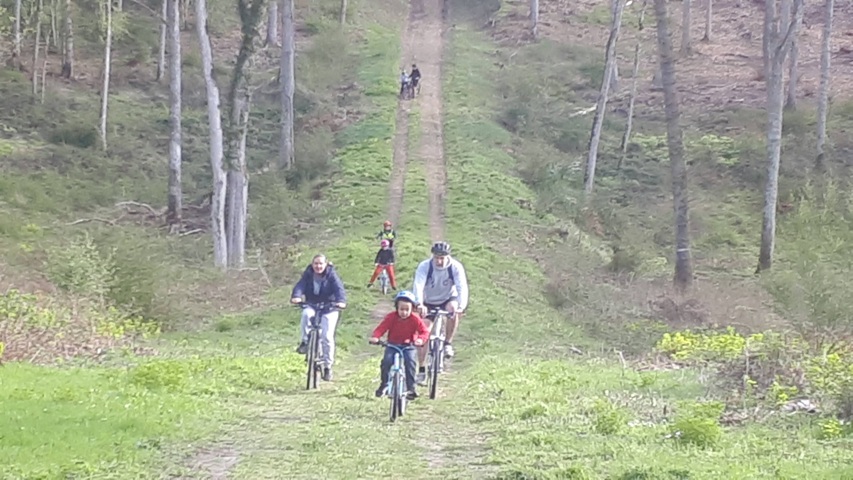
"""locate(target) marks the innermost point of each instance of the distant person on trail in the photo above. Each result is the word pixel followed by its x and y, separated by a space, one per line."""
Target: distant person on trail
pixel 406 330
pixel 415 76
pixel 404 81
pixel 387 233
pixel 440 282
pixel 320 283
pixel 384 261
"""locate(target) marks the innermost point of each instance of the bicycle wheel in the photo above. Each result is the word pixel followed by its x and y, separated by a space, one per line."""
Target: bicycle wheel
pixel 383 281
pixel 434 367
pixel 404 399
pixel 311 360
pixel 393 395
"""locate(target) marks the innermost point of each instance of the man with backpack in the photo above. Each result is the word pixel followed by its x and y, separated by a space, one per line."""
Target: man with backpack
pixel 440 282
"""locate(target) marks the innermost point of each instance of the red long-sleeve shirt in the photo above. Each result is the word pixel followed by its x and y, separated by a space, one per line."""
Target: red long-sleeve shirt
pixel 402 331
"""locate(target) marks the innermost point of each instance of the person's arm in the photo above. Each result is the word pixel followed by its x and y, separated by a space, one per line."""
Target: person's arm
pixel 421 332
pixel 461 285
pixel 420 281
pixel 378 257
pixel 382 328
pixel 338 287
pixel 299 288
pixel 392 257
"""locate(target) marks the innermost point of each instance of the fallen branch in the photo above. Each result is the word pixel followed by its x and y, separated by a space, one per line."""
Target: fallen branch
pixel 190 232
pixel 94 219
pixel 140 205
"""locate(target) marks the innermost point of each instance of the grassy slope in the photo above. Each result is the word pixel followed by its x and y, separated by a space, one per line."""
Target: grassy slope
pixel 543 408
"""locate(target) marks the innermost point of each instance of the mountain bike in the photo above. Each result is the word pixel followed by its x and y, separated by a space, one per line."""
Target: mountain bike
pixel 396 386
pixel 408 91
pixel 313 357
pixel 384 281
pixel 435 354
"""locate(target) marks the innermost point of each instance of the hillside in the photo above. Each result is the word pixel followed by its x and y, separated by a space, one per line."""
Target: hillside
pixel 136 359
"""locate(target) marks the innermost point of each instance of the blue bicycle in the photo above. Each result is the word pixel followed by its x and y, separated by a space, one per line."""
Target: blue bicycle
pixel 396 386
pixel 314 357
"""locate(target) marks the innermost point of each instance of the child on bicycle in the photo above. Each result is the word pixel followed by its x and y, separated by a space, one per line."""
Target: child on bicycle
pixel 387 233
pixel 404 81
pixel 384 261
pixel 406 330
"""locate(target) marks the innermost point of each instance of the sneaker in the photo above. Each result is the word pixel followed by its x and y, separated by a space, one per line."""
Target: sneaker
pixel 411 395
pixel 302 349
pixel 369 285
pixel 327 374
pixel 420 379
pixel 448 350
pixel 380 391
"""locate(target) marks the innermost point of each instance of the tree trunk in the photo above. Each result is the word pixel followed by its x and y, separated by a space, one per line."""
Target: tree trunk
pixel 37 17
pixel 627 135
pixel 683 278
pixel 239 100
pixel 778 43
pixel 793 71
pixel 68 50
pixel 105 86
pixel 823 91
pixel 16 47
pixel 161 54
pixel 686 47
pixel 601 105
pixel 272 24
pixel 52 35
pixel 175 200
pixel 534 18
pixel 709 12
pixel 344 6
pixel 288 82
pixel 217 203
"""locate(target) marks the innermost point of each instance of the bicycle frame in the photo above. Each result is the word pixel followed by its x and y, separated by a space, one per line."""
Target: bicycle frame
pixel 383 281
pixel 435 354
pixel 313 356
pixel 396 386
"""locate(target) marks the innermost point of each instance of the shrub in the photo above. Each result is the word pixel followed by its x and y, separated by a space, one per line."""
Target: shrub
pixel 699 424
pixel 80 267
pixel 77 134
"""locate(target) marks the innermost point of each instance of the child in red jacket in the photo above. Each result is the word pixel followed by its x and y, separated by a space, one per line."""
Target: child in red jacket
pixel 406 330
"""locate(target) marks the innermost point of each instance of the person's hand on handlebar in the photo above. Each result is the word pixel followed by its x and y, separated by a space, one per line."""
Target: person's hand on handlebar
pixel 422 310
pixel 340 305
pixel 373 341
pixel 419 342
pixel 296 300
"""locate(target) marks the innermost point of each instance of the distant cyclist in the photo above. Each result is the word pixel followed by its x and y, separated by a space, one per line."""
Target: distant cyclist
pixel 440 282
pixel 387 233
pixel 384 261
pixel 320 283
pixel 404 81
pixel 416 78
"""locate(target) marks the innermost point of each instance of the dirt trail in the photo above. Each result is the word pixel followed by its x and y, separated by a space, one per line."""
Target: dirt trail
pixel 427 20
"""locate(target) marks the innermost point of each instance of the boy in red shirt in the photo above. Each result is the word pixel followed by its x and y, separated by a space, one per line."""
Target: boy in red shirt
pixel 406 330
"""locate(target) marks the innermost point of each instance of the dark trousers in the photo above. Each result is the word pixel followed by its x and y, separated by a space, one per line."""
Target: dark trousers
pixel 409 360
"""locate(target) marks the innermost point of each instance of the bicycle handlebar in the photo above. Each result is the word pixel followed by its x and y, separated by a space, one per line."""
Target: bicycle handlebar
pixel 320 306
pixel 399 348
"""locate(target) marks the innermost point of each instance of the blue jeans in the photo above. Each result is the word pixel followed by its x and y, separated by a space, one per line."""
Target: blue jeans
pixel 409 360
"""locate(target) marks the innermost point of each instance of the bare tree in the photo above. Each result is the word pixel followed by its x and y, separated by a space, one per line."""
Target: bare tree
pixel 709 12
pixel 175 197
pixel 618 7
pixel 686 47
pixel 793 72
pixel 217 203
pixel 626 137
pixel 683 277
pixel 823 91
pixel 288 82
pixel 344 6
pixel 534 18
pixel 105 86
pixel 16 47
pixel 777 43
pixel 39 6
pixel 53 35
pixel 272 24
pixel 161 53
pixel 68 50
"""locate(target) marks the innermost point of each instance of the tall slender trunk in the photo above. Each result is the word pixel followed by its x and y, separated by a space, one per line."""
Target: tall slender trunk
pixel 272 24
pixel 105 86
pixel 534 18
pixel 601 104
pixel 161 54
pixel 686 47
pixel 630 123
pixel 344 6
pixel 39 5
pixel 214 118
pixel 683 277
pixel 288 81
pixel 779 41
pixel 823 91
pixel 709 12
pixel 16 47
pixel 793 71
pixel 53 35
pixel 238 184
pixel 68 51
pixel 175 200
